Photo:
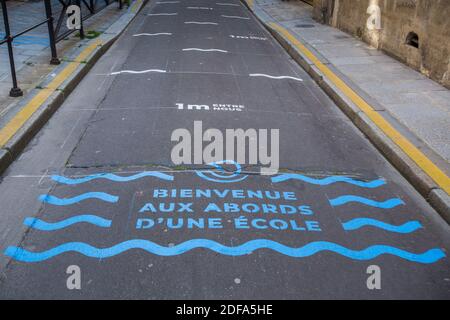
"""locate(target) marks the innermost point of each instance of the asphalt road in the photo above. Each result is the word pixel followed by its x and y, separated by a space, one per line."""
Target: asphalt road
pixel 154 230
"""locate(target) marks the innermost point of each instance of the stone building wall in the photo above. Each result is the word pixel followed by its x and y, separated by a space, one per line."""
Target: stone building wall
pixel 428 19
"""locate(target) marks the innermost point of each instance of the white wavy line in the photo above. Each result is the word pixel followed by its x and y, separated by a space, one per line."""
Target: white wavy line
pixel 152 34
pixel 205 50
pixel 235 17
pixel 198 22
pixel 274 77
pixel 137 72
pixel 227 4
pixel 162 14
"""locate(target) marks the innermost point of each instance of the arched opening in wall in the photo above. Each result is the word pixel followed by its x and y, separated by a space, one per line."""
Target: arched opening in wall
pixel 412 39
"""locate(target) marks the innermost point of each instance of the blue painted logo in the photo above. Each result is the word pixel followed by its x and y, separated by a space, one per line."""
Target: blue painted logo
pixel 220 174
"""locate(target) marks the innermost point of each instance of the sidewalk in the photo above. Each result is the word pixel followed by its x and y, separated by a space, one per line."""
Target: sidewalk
pixel 417 107
pixel 32 51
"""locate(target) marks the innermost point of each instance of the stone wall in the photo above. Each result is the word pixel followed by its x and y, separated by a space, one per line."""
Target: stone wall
pixel 428 19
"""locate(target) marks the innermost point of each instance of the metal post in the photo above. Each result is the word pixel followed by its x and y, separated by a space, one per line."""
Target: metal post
pixel 51 32
pixel 15 90
pixel 81 20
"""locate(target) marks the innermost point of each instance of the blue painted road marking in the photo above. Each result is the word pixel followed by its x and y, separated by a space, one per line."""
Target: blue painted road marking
pixel 46 198
pixel 356 224
pixel 310 249
pixel 224 176
pixel 112 177
pixel 329 180
pixel 388 204
pixel 39 224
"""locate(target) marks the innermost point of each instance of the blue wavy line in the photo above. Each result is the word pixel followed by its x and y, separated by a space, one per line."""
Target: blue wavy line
pixel 46 198
pixel 310 249
pixel 39 224
pixel 355 224
pixel 329 180
pixel 388 204
pixel 112 177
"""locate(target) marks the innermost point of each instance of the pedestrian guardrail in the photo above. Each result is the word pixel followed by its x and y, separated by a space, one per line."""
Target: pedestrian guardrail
pixel 55 32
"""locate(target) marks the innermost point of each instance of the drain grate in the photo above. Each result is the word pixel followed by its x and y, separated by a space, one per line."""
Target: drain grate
pixel 304 25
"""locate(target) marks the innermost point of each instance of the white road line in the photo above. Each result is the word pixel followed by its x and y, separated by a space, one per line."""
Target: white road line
pixel 162 14
pixel 152 34
pixel 247 37
pixel 200 8
pixel 236 17
pixel 227 4
pixel 274 77
pixel 198 22
pixel 167 2
pixel 172 72
pixel 205 50
pixel 137 72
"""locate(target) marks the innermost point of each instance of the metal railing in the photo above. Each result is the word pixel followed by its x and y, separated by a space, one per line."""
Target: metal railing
pixel 54 32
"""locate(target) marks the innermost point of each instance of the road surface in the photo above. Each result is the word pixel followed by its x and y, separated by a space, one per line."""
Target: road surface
pixel 97 188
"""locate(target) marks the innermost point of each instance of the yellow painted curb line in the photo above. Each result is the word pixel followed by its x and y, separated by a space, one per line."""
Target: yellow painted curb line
pixel 435 173
pixel 249 3
pixel 10 129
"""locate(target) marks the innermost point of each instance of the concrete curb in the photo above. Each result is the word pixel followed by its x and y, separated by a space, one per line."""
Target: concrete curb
pixel 436 197
pixel 12 149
